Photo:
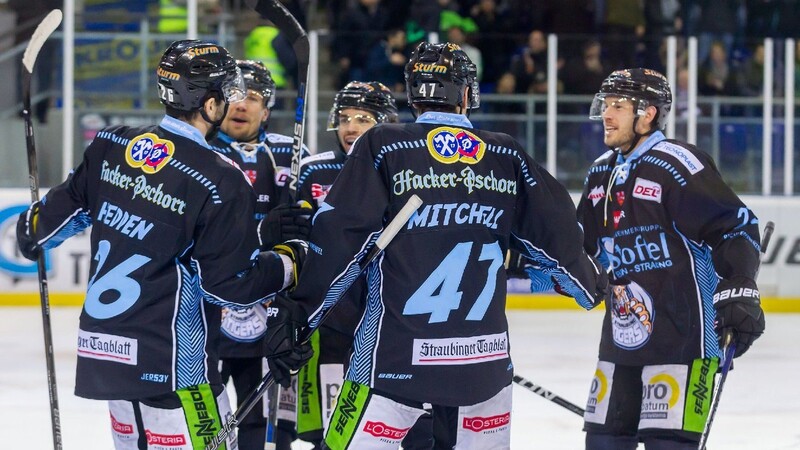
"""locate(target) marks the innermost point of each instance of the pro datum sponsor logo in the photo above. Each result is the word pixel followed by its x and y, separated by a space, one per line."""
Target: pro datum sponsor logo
pixel 107 347
pixel 460 351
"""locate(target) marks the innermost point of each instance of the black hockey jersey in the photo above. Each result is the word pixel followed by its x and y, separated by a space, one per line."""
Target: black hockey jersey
pixel 435 329
pixel 317 174
pixel 166 235
pixel 667 225
pixel 267 166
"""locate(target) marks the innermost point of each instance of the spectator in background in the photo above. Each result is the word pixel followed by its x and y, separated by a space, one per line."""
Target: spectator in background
pixel 750 79
pixel 425 17
pixel 662 19
pixel 387 60
pixel 718 22
pixel 529 67
pixel 360 28
pixel 458 35
pixel 585 71
pixel 716 77
pixel 624 26
pixel 493 41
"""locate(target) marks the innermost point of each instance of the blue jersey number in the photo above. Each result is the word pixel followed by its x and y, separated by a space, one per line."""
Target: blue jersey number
pixel 439 294
pixel 117 279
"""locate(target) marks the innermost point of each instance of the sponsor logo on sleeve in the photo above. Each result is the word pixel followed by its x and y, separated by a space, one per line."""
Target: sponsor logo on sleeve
pixel 449 145
pixel 683 155
pixel 460 351
pixel 149 153
pixel 107 347
pixel 596 194
pixel 647 190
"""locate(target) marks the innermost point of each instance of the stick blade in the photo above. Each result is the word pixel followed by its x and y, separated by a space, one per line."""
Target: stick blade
pixel 43 31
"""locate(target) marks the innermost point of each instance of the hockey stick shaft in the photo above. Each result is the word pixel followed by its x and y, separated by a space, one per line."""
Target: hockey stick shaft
pixel 275 12
pixel 729 350
pixel 536 389
pixel 40 35
pixel 389 232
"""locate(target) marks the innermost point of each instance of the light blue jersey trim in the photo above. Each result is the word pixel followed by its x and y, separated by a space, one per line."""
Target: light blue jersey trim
pixel 442 118
pixel 180 128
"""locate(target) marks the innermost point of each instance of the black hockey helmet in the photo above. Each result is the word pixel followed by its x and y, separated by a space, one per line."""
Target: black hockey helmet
pixel 438 74
pixel 645 87
pixel 192 70
pixel 369 96
pixel 258 78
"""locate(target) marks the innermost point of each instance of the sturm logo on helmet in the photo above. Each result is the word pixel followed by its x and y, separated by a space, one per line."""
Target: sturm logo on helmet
pixel 192 52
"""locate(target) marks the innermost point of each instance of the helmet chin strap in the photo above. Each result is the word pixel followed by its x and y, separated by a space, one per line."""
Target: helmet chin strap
pixel 214 123
pixel 636 137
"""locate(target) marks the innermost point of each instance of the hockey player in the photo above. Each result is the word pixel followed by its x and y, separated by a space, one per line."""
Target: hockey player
pixel 172 227
pixel 684 252
pixel 356 108
pixel 265 159
pixel 434 330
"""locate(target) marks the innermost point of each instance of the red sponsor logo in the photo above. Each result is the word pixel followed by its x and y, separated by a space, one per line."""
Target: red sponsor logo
pixel 319 191
pixel 620 197
pixel 643 191
pixel 381 430
pixel 251 175
pixel 618 215
pixel 119 427
pixel 167 440
pixel 478 424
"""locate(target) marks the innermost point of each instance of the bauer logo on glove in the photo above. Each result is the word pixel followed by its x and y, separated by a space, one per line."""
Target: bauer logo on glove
pixel 735 293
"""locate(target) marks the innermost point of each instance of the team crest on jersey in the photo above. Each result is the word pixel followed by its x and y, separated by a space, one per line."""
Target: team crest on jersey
pixel 251 175
pixel 243 325
pixel 449 145
pixel 148 152
pixel 620 197
pixel 632 315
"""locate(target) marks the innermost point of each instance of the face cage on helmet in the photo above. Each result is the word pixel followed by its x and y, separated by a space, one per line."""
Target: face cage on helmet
pixel 599 105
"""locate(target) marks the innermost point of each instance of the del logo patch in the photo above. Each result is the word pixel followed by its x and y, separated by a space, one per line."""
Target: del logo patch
pixel 149 153
pixel 449 145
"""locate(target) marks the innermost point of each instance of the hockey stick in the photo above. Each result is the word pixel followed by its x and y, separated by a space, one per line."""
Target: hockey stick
pixel 383 240
pixel 275 12
pixel 40 35
pixel 536 389
pixel 729 351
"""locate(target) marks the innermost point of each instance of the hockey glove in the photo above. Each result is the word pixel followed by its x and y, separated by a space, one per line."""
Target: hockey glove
pixel 26 225
pixel 516 265
pixel 738 305
pixel 284 223
pixel 285 353
pixel 296 250
pixel 602 284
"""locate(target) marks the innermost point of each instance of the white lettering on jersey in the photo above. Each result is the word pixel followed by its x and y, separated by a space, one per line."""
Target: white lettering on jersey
pixel 647 190
pixel 454 214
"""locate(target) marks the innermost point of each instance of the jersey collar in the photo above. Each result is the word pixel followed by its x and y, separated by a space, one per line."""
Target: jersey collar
pixel 443 118
pixel 221 135
pixel 181 128
pixel 648 143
